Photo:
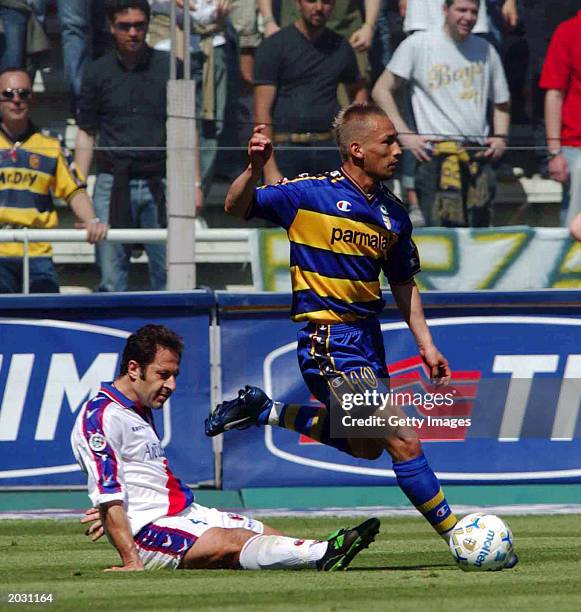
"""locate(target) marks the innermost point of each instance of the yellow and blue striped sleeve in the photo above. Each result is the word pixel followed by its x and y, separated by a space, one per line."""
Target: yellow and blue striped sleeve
pixel 278 204
pixel 68 179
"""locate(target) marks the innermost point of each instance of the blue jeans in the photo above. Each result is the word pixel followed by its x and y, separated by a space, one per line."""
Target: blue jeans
pixel 211 131
pixel 83 24
pixel 13 39
pixel 113 258
pixel 43 276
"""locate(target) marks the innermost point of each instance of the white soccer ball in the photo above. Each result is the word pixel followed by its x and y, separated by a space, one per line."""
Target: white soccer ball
pixel 481 542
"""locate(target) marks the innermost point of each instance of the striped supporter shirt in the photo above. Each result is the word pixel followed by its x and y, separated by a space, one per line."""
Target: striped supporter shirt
pixel 340 241
pixel 31 172
pixel 115 443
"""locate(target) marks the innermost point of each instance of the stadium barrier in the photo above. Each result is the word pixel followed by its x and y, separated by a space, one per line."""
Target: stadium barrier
pixel 515 357
pixel 212 245
pixel 453 259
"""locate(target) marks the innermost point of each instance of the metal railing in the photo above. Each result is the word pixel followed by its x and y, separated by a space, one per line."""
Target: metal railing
pixel 208 242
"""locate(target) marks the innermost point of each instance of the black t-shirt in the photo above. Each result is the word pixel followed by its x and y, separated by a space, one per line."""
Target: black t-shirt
pixel 126 108
pixel 306 74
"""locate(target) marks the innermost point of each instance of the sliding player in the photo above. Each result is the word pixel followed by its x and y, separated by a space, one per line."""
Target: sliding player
pixel 148 514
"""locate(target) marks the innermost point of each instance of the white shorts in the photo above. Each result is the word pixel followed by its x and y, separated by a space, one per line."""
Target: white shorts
pixel 163 543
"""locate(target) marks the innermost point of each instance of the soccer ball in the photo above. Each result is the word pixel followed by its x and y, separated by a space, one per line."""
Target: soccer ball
pixel 481 542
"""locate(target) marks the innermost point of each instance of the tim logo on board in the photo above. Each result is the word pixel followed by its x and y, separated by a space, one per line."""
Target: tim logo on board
pixel 48 369
pixel 520 384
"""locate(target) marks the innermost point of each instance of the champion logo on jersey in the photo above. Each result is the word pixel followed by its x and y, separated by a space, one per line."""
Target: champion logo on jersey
pixel 344 206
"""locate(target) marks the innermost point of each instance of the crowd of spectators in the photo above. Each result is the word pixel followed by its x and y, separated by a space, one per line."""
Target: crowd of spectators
pixel 455 76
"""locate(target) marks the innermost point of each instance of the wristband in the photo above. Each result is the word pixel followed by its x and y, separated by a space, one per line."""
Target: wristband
pixel 94 220
pixel 554 153
pixel 269 19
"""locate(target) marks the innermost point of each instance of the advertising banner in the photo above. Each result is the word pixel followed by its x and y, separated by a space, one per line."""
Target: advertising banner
pixel 54 354
pixel 516 391
pixel 458 259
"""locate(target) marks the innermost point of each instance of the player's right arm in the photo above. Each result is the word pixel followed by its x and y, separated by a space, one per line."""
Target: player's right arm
pixel 116 525
pixel 97 441
pixel 264 97
pixel 241 193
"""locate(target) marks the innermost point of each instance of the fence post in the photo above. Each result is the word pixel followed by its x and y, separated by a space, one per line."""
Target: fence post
pixel 182 176
pixel 26 265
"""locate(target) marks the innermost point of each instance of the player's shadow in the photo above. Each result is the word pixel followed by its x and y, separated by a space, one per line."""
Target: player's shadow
pixel 402 568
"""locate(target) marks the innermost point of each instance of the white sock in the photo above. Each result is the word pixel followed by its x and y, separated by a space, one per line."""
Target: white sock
pixel 275 412
pixel 279 552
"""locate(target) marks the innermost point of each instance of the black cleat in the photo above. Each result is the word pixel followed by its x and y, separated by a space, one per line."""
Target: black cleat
pixel 239 413
pixel 345 544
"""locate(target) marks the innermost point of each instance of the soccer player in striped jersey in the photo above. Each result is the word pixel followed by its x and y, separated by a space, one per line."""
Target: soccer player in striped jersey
pixel 344 228
pixel 148 514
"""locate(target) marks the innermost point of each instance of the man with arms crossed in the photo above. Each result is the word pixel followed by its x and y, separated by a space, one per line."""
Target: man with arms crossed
pixel 148 514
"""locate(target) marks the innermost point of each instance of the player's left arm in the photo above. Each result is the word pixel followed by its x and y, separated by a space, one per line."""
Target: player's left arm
pixel 408 300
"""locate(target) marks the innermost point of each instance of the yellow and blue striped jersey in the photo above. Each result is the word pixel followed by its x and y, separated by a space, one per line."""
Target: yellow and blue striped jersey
pixel 30 171
pixel 340 240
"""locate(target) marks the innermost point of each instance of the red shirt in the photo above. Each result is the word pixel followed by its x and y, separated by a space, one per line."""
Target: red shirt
pixel 562 70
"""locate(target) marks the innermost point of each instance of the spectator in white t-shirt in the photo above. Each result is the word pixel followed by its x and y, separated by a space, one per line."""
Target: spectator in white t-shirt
pixel 453 76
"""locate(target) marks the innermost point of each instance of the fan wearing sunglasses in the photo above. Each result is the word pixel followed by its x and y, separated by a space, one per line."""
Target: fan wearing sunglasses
pixel 33 166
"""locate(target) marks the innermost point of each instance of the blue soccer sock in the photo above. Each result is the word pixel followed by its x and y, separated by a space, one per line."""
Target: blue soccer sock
pixel 421 486
pixel 312 421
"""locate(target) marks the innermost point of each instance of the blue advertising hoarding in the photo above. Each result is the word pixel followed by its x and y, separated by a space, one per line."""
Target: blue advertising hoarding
pixel 54 353
pixel 517 354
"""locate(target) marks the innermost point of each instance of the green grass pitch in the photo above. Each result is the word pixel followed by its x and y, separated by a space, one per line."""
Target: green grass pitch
pixel 408 568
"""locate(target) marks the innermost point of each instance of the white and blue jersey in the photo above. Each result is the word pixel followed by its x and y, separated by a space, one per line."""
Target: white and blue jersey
pixel 116 444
